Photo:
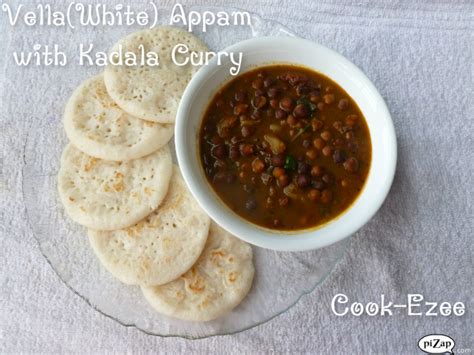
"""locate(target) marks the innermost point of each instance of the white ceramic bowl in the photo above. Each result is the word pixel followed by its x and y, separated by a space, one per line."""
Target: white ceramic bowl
pixel 288 50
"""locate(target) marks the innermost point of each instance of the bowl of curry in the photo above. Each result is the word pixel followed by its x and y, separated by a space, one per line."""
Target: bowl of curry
pixel 294 153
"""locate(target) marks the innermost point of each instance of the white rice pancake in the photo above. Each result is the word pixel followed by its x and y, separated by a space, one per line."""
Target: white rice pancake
pixel 217 283
pixel 161 247
pixel 152 92
pixel 96 125
pixel 107 195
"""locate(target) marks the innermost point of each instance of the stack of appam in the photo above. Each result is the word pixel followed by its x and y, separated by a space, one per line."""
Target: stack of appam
pixel 117 179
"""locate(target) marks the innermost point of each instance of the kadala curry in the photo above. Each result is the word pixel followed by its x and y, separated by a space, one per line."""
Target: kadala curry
pixel 285 147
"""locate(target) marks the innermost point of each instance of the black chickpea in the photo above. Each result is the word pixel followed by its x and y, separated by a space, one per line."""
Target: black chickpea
pixel 219 151
pixel 258 165
pixel 251 204
pixel 257 84
pixel 311 154
pixel 318 184
pixel 278 160
pixel 314 98
pixel 319 144
pixel 343 104
pixel 287 104
pixel 240 96
pixel 314 195
pixel 280 114
pixel 301 111
pixel 326 196
pixel 291 120
pixel 326 135
pixel 328 99
pixel 337 126
pixel 303 168
pixel 273 92
pixel 327 151
pixel 338 156
pixel 316 124
pixel 317 170
pixel 240 109
pixel 303 180
pixel 267 82
pixel 338 142
pixel 351 120
pixel 283 180
pixel 246 149
pixel 259 92
pixel 234 152
pixel 259 102
pixel 351 165
pixel 246 131
pixel 278 171
pixel 327 179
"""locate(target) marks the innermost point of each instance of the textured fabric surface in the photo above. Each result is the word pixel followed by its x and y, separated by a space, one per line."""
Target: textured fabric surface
pixel 419 55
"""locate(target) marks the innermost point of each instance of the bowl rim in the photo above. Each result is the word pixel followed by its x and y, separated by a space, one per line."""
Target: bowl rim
pixel 286 240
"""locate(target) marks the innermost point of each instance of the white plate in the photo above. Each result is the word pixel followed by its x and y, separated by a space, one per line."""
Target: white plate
pixel 281 278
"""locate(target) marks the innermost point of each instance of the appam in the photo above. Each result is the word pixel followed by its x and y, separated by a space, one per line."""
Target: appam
pixel 107 195
pixel 161 247
pixel 217 283
pixel 96 125
pixel 152 92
